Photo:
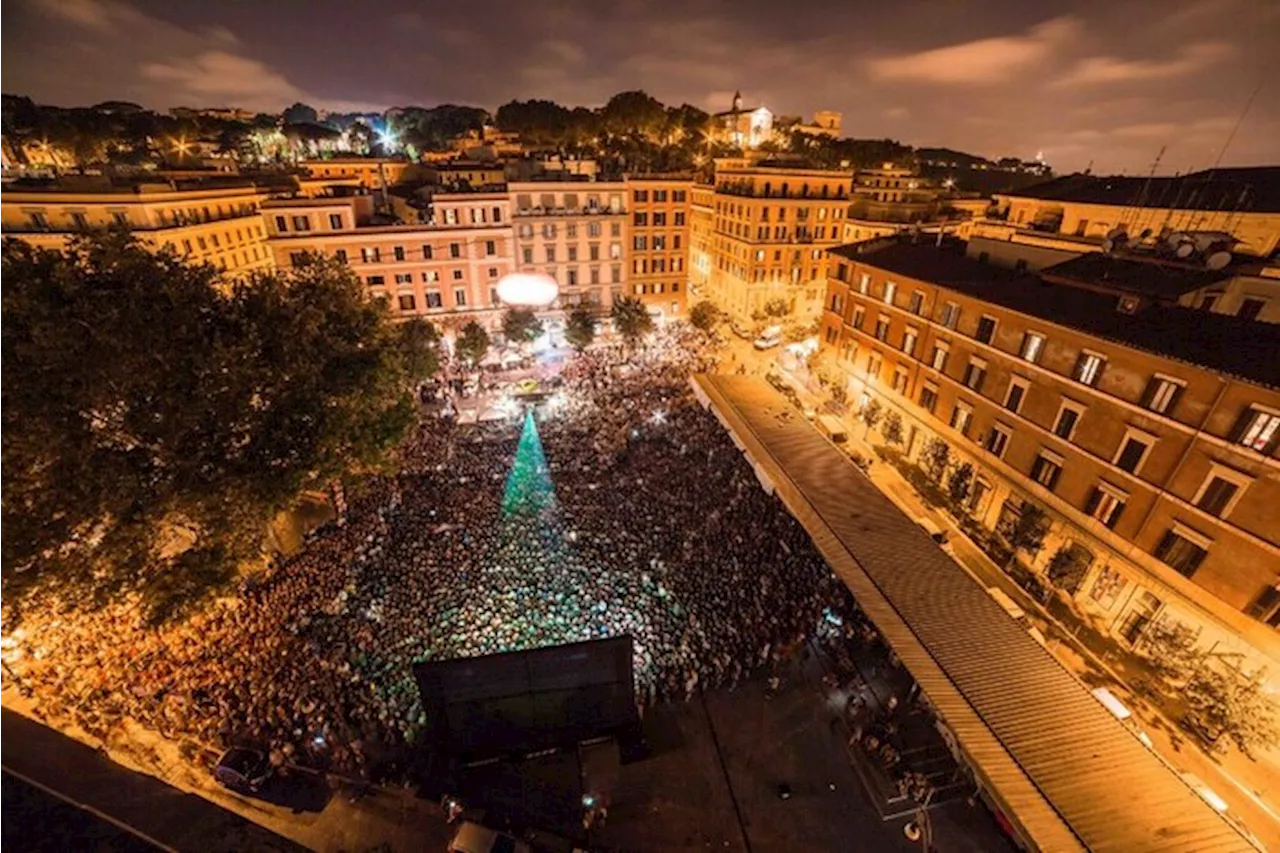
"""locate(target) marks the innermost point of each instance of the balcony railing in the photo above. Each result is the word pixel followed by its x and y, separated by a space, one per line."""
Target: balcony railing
pixel 602 210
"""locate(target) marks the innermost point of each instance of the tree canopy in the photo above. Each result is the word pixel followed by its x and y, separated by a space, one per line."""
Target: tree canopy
pixel 157 417
pixel 472 344
pixel 631 318
pixel 704 315
pixel 580 328
pixel 521 326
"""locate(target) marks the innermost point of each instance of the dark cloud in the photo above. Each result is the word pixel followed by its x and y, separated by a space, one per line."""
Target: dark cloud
pixel 1107 82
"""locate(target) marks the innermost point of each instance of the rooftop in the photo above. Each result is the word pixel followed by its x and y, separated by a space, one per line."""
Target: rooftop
pixel 1253 189
pixel 1220 342
pixel 1061 767
pixel 1141 276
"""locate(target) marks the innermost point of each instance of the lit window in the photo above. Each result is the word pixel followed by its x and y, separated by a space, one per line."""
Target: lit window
pixel 1088 367
pixel 890 290
pixel 1046 469
pixel 864 283
pixel 1032 344
pixel 407 302
pixel 909 338
pixel 882 327
pixel 929 397
pixel 1161 394
pixel 1106 503
pixel 1257 429
pixel 950 315
pixel 961 419
pixel 917 302
pixel 939 359
pixel 998 440
pixel 975 373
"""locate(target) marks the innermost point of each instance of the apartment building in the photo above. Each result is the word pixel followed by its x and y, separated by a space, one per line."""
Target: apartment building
pixel 214 222
pixel 771 226
pixel 577 232
pixel 702 227
pixel 1147 432
pixel 446 269
pixel 372 173
pixel 660 233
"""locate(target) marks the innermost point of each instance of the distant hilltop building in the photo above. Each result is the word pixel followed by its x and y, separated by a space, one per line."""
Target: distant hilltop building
pixel 220 113
pixel 745 128
pixel 825 123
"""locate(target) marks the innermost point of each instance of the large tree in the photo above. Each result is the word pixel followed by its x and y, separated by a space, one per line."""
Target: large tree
pixel 631 319
pixel 705 315
pixel 472 344
pixel 521 326
pixel 580 328
pixel 157 417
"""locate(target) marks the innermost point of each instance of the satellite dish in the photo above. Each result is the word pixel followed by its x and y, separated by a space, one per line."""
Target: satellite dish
pixel 1218 260
pixel 1184 250
pixel 1116 233
pixel 1146 232
pixel 1175 239
pixel 1108 244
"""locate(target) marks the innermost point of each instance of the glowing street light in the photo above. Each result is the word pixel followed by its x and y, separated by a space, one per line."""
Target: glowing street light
pixel 527 290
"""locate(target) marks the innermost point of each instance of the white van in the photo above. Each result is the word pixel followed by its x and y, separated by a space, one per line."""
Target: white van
pixel 769 338
pixel 833 428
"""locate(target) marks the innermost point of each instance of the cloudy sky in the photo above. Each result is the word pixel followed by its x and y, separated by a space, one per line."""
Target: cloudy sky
pixel 1107 82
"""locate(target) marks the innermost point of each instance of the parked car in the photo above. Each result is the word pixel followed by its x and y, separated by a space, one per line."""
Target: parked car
pixel 243 769
pixel 769 338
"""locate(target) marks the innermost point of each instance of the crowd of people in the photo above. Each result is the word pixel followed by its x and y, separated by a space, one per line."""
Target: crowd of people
pixel 618 506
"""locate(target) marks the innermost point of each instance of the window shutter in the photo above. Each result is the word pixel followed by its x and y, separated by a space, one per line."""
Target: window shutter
pixel 1053 478
pixel 1075 371
pixel 1173 401
pixel 1237 431
pixel 1115 517
pixel 1149 393
pixel 1165 544
pixel 1264 602
pixel 1091 503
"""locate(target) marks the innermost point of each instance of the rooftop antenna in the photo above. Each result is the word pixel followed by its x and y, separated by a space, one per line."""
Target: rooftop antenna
pixel 1136 205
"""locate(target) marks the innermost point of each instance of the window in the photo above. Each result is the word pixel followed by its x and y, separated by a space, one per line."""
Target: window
pixel 341 255
pixel 900 379
pixel 1161 394
pixel 642 195
pixel 961 419
pixel 1221 490
pixel 678 196
pixel 573 277
pixel 1106 503
pixel 551 254
pixel 368 255
pixel 859 314
pixel 497 214
pixel 407 302
pixel 434 300
pixel 660 195
pixel 431 276
pixel 1064 426
pixel 1182 549
pixel 1257 429
pixel 335 221
pixel 864 283
pixel 573 254
pixel 1251 308
pixel 939 359
pixel 490 248
pixel 526 255
pixel 975 373
pixel 1088 367
pixel 1016 394
pixel 1266 607
pixel 640 243
pixel 917 302
pixel 301 223
pixel 376 280
pixel 679 218
pixel 426 253
pixel 986 329
pixel 890 290
pixel 874 362
pixel 998 440
pixel 615 273
pixel 398 252
pixel 909 338
pixel 593 229
pixel 404 278
pixel 1133 450
pixel 282 224
pixel 882 327
pixel 457 275
pixel 79 221
pixel 297 259
pixel 1046 469
pixel 950 315
pixel 641 218
pixel 549 230
pixel 493 272
pixel 455 250
pixel 929 397
pixel 1208 301
pixel 459 297
pixel 41 222
pixel 1032 344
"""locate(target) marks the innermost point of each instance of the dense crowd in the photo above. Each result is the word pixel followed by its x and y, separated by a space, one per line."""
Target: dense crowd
pixel 619 507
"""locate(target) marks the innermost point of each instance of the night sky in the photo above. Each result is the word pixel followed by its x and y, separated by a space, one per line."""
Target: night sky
pixel 1108 82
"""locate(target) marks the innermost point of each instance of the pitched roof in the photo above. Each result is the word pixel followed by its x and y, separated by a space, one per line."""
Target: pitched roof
pixel 1252 189
pixel 1242 348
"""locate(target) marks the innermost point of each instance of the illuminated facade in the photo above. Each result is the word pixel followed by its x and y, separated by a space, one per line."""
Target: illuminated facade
pixel 702 228
pixel 770 228
pixel 446 270
pixel 1150 438
pixel 577 233
pixel 373 173
pixel 660 247
pixel 204 224
pixel 742 127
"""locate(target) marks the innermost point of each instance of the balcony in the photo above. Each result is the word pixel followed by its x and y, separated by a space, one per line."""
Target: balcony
pixel 597 210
